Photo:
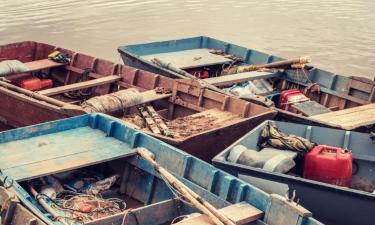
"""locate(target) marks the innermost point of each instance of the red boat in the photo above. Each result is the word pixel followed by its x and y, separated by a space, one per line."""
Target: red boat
pixel 198 118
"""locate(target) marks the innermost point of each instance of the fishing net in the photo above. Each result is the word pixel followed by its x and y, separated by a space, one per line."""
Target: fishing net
pixel 272 137
pixel 85 207
pixel 113 102
pixel 12 66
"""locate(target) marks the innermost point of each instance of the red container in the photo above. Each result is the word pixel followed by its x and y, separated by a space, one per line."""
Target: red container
pixel 329 165
pixel 34 84
pixel 288 97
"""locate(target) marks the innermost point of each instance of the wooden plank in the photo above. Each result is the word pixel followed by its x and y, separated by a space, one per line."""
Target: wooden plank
pixel 351 118
pixel 189 58
pixel 345 111
pixel 240 213
pixel 239 78
pixel 80 85
pixel 42 64
pixel 310 108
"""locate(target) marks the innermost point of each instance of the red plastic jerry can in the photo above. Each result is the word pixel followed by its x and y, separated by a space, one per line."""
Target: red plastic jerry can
pixel 288 97
pixel 329 165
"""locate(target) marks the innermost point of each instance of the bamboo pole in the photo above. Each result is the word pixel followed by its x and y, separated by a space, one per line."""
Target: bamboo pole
pixel 47 207
pixel 201 204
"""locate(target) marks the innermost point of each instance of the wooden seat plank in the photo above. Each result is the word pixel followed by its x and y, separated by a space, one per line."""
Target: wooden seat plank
pixel 80 85
pixel 151 95
pixel 42 64
pixel 240 213
pixel 226 80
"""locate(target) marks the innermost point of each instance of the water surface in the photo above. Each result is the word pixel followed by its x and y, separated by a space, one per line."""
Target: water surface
pixel 339 35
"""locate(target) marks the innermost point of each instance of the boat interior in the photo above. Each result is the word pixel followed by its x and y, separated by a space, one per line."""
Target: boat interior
pixel 318 94
pixel 99 164
pixel 84 77
pixel 361 145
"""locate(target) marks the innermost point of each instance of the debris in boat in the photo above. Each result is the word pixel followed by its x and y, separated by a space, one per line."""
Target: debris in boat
pixel 256 87
pixel 11 67
pixel 272 137
pixel 363 184
pixel 78 200
pixel 228 56
pixel 102 185
pixel 59 57
pixel 159 121
pixel 182 126
pixel 149 120
pixel 163 90
pixel 43 143
pixel 191 125
pixel 113 102
pixel 197 58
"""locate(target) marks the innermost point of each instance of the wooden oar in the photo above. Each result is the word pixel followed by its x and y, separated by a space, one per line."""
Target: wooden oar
pixel 201 204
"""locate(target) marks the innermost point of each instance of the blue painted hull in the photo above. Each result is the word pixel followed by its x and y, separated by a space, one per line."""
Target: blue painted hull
pixel 101 134
pixel 330 203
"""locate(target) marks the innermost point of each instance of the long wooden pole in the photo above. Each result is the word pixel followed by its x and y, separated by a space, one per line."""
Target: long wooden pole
pixel 47 207
pixel 283 63
pixel 14 188
pixel 185 75
pixel 201 204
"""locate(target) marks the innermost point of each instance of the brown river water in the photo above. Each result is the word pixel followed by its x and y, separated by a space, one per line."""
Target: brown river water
pixel 339 35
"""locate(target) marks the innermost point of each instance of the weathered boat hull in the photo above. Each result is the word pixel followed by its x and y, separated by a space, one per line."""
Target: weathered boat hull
pixel 101 134
pixel 22 109
pixel 336 92
pixel 330 203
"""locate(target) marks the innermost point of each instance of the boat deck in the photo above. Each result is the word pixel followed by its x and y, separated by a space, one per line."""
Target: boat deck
pixel 349 119
pixel 58 152
pixel 190 58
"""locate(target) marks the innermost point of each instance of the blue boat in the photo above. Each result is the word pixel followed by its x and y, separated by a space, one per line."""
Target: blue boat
pixel 330 203
pixel 329 95
pixel 60 153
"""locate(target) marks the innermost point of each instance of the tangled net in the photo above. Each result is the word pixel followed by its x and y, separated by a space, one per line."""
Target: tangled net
pixel 84 208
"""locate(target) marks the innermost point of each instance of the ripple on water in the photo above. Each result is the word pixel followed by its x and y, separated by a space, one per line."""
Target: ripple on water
pixel 337 34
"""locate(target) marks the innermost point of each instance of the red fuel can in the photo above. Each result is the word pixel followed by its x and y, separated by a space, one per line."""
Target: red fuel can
pixel 288 97
pixel 329 164
pixel 34 84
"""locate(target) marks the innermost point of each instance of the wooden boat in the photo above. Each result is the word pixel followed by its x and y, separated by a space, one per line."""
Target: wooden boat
pixel 106 146
pixel 210 58
pixel 331 204
pixel 200 117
